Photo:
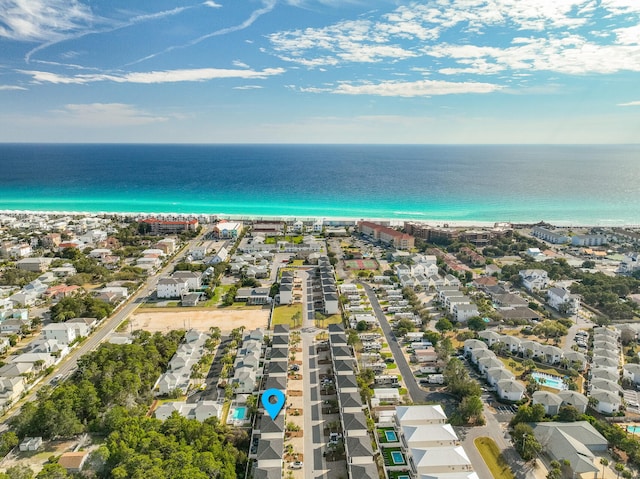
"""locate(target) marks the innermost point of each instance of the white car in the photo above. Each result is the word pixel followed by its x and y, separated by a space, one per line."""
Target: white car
pixel 296 465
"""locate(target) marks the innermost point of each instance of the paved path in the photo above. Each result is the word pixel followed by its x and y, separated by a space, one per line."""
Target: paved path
pixel 416 393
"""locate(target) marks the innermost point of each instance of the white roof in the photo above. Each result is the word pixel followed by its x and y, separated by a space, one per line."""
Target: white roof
pixel 440 456
pixel 428 433
pixel 424 414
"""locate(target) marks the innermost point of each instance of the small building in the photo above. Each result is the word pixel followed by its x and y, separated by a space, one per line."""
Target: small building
pixel 30 444
pixel 73 461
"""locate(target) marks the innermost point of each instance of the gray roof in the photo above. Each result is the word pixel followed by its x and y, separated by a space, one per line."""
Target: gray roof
pixel 269 425
pixel 344 365
pixel 364 470
pixel 270 449
pixel 267 473
pixel 351 399
pixel 336 328
pixel 341 351
pixel 280 352
pixel 280 340
pixel 275 382
pixel 277 367
pixel 359 447
pixel 354 421
pixel 346 381
pixel 546 398
pixel 281 329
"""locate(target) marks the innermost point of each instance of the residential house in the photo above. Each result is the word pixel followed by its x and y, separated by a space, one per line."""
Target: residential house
pixel 534 279
pixel 63 333
pixel 550 401
pixel 171 288
pixel 510 390
pixel 193 279
pixel 576 442
pixel 575 399
pixel 605 402
pixel 563 301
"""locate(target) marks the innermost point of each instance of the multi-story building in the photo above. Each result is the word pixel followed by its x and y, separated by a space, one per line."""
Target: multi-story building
pixel 161 227
pixel 397 239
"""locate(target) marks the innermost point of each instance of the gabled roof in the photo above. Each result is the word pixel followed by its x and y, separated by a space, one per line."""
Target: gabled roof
pixel 546 398
pixel 440 456
pixel 423 413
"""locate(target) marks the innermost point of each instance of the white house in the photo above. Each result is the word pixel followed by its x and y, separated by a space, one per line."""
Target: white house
pixel 605 402
pixel 193 279
pixel 510 389
pixel 171 288
pixel 61 332
pixel 533 279
pixel 563 301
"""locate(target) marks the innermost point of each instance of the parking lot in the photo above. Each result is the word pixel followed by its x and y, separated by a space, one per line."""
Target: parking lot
pixel 505 408
pixel 632 400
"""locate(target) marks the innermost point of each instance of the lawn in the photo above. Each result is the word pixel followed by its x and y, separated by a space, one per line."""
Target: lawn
pixel 491 455
pixel 327 320
pixel 284 314
pixel 388 458
pixel 518 370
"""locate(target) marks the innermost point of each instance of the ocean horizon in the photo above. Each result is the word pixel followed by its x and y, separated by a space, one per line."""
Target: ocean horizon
pixel 594 185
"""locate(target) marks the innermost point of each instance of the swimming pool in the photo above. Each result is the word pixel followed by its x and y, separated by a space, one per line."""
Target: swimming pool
pixel 403 477
pixel 391 436
pixel 239 413
pixel 397 457
pixel 633 429
pixel 548 380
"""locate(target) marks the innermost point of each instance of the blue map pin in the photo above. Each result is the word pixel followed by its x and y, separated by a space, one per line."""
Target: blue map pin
pixel 273 400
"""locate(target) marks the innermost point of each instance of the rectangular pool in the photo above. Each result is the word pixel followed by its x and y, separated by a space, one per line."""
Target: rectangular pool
pixel 239 413
pixel 391 436
pixel 397 457
pixel 548 380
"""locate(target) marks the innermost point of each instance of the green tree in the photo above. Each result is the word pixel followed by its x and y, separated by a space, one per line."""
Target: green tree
pixel 605 462
pixel 19 471
pixel 476 323
pixel 444 325
pixel 525 442
pixel 52 471
pixel 8 440
pixel 568 414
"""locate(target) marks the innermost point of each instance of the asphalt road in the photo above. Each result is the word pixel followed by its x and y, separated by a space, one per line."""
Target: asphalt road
pixel 415 392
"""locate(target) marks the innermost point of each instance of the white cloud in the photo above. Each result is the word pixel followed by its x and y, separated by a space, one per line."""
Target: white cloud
pixel 167 76
pixel 628 35
pixel 422 88
pixel 43 20
pixel 105 114
pixel 631 103
pixel 571 54
pixel 239 64
pixel 247 87
pixel 212 4
pixel 11 87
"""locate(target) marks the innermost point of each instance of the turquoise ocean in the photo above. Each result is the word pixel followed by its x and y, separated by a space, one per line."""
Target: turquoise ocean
pixel 579 185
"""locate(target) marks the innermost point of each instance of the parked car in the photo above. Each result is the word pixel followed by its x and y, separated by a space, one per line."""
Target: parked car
pixel 296 465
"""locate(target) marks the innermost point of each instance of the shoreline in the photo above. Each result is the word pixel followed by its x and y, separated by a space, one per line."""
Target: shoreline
pixel 453 223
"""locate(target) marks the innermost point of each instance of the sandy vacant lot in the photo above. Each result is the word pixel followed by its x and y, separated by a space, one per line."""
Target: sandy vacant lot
pixel 226 320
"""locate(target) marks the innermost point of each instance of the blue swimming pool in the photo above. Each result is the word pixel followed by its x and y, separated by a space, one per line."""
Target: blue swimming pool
pixel 391 436
pixel 548 380
pixel 239 413
pixel 397 457
pixel 633 429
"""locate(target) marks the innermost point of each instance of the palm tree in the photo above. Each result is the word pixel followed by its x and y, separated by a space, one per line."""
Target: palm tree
pixel 605 462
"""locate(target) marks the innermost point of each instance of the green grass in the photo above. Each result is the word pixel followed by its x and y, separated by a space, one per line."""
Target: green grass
pixel 403 391
pixel 392 366
pixel 283 314
pixel 492 457
pixel 388 459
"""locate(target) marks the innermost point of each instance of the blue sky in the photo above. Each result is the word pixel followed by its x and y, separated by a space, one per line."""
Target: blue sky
pixel 320 71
